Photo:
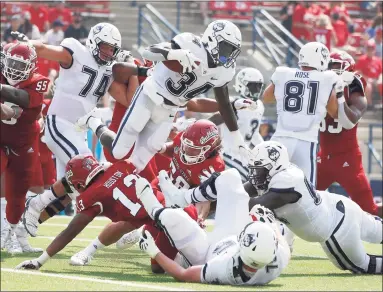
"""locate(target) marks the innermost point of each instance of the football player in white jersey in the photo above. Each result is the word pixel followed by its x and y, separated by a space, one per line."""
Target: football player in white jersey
pixel 303 97
pixel 148 120
pixel 249 85
pixel 236 252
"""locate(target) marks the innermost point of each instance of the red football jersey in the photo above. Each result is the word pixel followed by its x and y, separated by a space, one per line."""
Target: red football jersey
pixel 114 196
pixel 188 176
pixel 323 35
pixel 45 153
pixel 21 132
pixel 333 137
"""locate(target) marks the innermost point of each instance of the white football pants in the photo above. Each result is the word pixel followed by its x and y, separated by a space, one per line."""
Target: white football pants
pixel 345 246
pixel 64 142
pixel 303 154
pixel 147 123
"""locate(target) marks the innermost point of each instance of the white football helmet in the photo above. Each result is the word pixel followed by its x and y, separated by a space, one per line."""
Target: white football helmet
pixel 258 245
pixel 249 83
pixel 315 55
pixel 222 40
pixel 104 33
pixel 267 159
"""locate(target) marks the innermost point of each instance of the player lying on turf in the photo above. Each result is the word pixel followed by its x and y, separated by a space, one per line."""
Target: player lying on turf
pixel 109 192
pixel 334 221
pixel 195 156
pixel 237 252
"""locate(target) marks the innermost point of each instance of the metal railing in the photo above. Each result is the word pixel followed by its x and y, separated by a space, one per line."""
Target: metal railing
pixel 280 45
pixel 153 27
pixel 372 153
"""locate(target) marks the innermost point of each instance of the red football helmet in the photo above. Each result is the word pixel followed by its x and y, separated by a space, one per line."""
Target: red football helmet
pixel 341 61
pixel 199 141
pixel 19 62
pixel 80 170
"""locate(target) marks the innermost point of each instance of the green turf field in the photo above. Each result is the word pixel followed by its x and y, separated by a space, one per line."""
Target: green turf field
pixel 129 270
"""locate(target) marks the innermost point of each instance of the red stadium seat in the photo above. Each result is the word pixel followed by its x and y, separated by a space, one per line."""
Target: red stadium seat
pixel 10 8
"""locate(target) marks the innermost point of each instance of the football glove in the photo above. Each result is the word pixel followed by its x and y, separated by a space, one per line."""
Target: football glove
pixel 348 77
pixel 240 148
pixel 185 58
pixel 243 103
pixel 206 173
pixel 29 265
pixel 181 124
pixel 124 56
pixel 18 36
pixel 148 245
pixel 173 195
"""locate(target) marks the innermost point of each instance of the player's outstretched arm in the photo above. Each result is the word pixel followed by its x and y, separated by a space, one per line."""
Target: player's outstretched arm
pixel 78 223
pixel 17 96
pixel 192 274
pixel 225 108
pixel 275 199
pixel 54 53
pixel 123 94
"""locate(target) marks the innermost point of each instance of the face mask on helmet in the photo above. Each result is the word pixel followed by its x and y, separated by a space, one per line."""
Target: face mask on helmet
pixel 225 53
pixel 191 154
pixel 337 66
pixel 253 89
pixel 16 69
pixel 105 53
pixel 259 175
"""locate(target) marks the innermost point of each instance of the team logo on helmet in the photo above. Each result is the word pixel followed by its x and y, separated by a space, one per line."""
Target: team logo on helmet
pixel 218 26
pixel 325 53
pixel 97 29
pixel 273 154
pixel 209 135
pixel 87 163
pixel 248 239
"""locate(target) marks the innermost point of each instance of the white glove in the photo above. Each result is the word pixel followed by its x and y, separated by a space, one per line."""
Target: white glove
pixel 148 245
pixel 181 124
pixel 124 56
pixel 29 265
pixel 186 59
pixel 243 103
pixel 20 36
pixel 142 187
pixel 240 148
pixel 206 173
pixel 173 195
pixel 263 214
pixel 348 77
pixel 339 86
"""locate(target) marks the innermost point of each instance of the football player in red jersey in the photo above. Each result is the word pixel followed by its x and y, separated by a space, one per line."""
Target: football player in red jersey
pixel 21 86
pixel 340 158
pixel 194 157
pixel 110 192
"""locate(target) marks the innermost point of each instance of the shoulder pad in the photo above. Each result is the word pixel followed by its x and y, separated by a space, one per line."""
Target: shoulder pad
pixel 185 39
pixel 73 45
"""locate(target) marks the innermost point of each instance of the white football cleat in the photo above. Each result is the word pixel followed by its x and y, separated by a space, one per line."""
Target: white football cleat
pixel 80 259
pixel 129 239
pixel 6 232
pixel 82 123
pixel 12 245
pixel 22 238
pixel 31 215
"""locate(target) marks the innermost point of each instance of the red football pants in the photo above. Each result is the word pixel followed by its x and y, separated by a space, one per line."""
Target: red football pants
pixel 347 170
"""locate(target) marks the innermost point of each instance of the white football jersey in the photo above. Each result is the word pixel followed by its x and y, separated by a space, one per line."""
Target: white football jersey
pixel 314 216
pixel 224 266
pixel 79 87
pixel 248 125
pixel 302 98
pixel 180 88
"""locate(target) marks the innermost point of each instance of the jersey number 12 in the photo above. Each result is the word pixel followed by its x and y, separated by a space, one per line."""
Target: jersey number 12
pixel 294 92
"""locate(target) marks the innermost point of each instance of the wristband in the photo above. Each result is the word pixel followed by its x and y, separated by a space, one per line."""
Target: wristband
pixel 43 258
pixel 142 71
pixel 341 100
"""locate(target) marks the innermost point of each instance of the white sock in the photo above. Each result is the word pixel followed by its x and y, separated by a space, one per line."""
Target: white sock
pixel 46 198
pixel 93 247
pixel 3 205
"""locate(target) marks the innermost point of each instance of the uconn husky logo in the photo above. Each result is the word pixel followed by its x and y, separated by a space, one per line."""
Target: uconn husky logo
pixel 97 29
pixel 273 153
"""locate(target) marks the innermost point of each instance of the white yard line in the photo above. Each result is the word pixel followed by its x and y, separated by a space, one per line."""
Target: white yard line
pixel 94 280
pixel 65 225
pixel 77 239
